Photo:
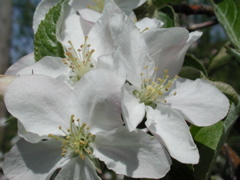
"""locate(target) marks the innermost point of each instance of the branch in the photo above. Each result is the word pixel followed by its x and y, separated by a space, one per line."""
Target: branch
pixel 193 9
pixel 195 27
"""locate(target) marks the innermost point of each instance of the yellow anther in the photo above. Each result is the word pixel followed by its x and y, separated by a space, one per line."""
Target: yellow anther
pixel 82 156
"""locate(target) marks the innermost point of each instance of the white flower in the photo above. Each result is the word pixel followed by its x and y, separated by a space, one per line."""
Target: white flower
pixel 86 123
pixel 82 52
pixel 150 63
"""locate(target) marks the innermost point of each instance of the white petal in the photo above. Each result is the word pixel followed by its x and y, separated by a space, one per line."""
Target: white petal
pixel 126 4
pixel 20 64
pixel 150 23
pixel 77 5
pixel 199 102
pixel 133 111
pixel 30 137
pixel 50 66
pixel 168 47
pixel 42 9
pixel 78 169
pixel 33 161
pixel 98 93
pixel 134 154
pixel 177 62
pixel 71 29
pixel 86 26
pixel 170 129
pixel 90 15
pixel 4 82
pixel 41 104
pixel 131 48
pixel 100 35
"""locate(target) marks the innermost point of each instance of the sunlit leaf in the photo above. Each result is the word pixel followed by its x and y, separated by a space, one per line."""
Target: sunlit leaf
pixel 45 41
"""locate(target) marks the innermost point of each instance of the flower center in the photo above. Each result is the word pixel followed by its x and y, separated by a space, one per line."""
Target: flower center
pixel 99 5
pixel 79 60
pixel 154 90
pixel 77 140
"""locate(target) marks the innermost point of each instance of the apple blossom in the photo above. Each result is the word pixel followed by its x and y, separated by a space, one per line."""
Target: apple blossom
pixel 76 127
pixel 151 63
pixel 79 58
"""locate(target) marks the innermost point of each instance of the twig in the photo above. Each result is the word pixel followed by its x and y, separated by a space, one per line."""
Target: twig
pixel 193 9
pixel 195 27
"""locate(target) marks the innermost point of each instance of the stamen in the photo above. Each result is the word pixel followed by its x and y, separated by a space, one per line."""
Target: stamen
pixel 144 30
pixel 154 90
pixel 79 60
pixel 77 140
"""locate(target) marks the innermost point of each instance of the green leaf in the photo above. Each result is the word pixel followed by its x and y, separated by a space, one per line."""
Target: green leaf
pixel 167 15
pixel 228 13
pixel 193 62
pixel 190 73
pixel 220 59
pixel 209 141
pixel 10 120
pixel 193 68
pixel 45 41
pixel 228 90
pixel 234 52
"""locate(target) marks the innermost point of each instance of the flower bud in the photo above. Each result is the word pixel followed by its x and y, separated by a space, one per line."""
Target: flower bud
pixel 4 82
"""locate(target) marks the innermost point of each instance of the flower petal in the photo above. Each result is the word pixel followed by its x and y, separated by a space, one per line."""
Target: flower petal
pixel 149 23
pixel 100 35
pixel 79 169
pixel 30 137
pixel 20 64
pixel 135 154
pixel 49 66
pixel 131 48
pixel 90 15
pixel 199 102
pixel 133 111
pixel 46 102
pixel 71 29
pixel 170 129
pixel 168 47
pixel 4 82
pixel 33 161
pixel 126 4
pixel 98 93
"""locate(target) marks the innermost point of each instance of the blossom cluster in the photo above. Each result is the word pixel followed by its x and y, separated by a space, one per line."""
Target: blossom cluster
pixel 114 99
